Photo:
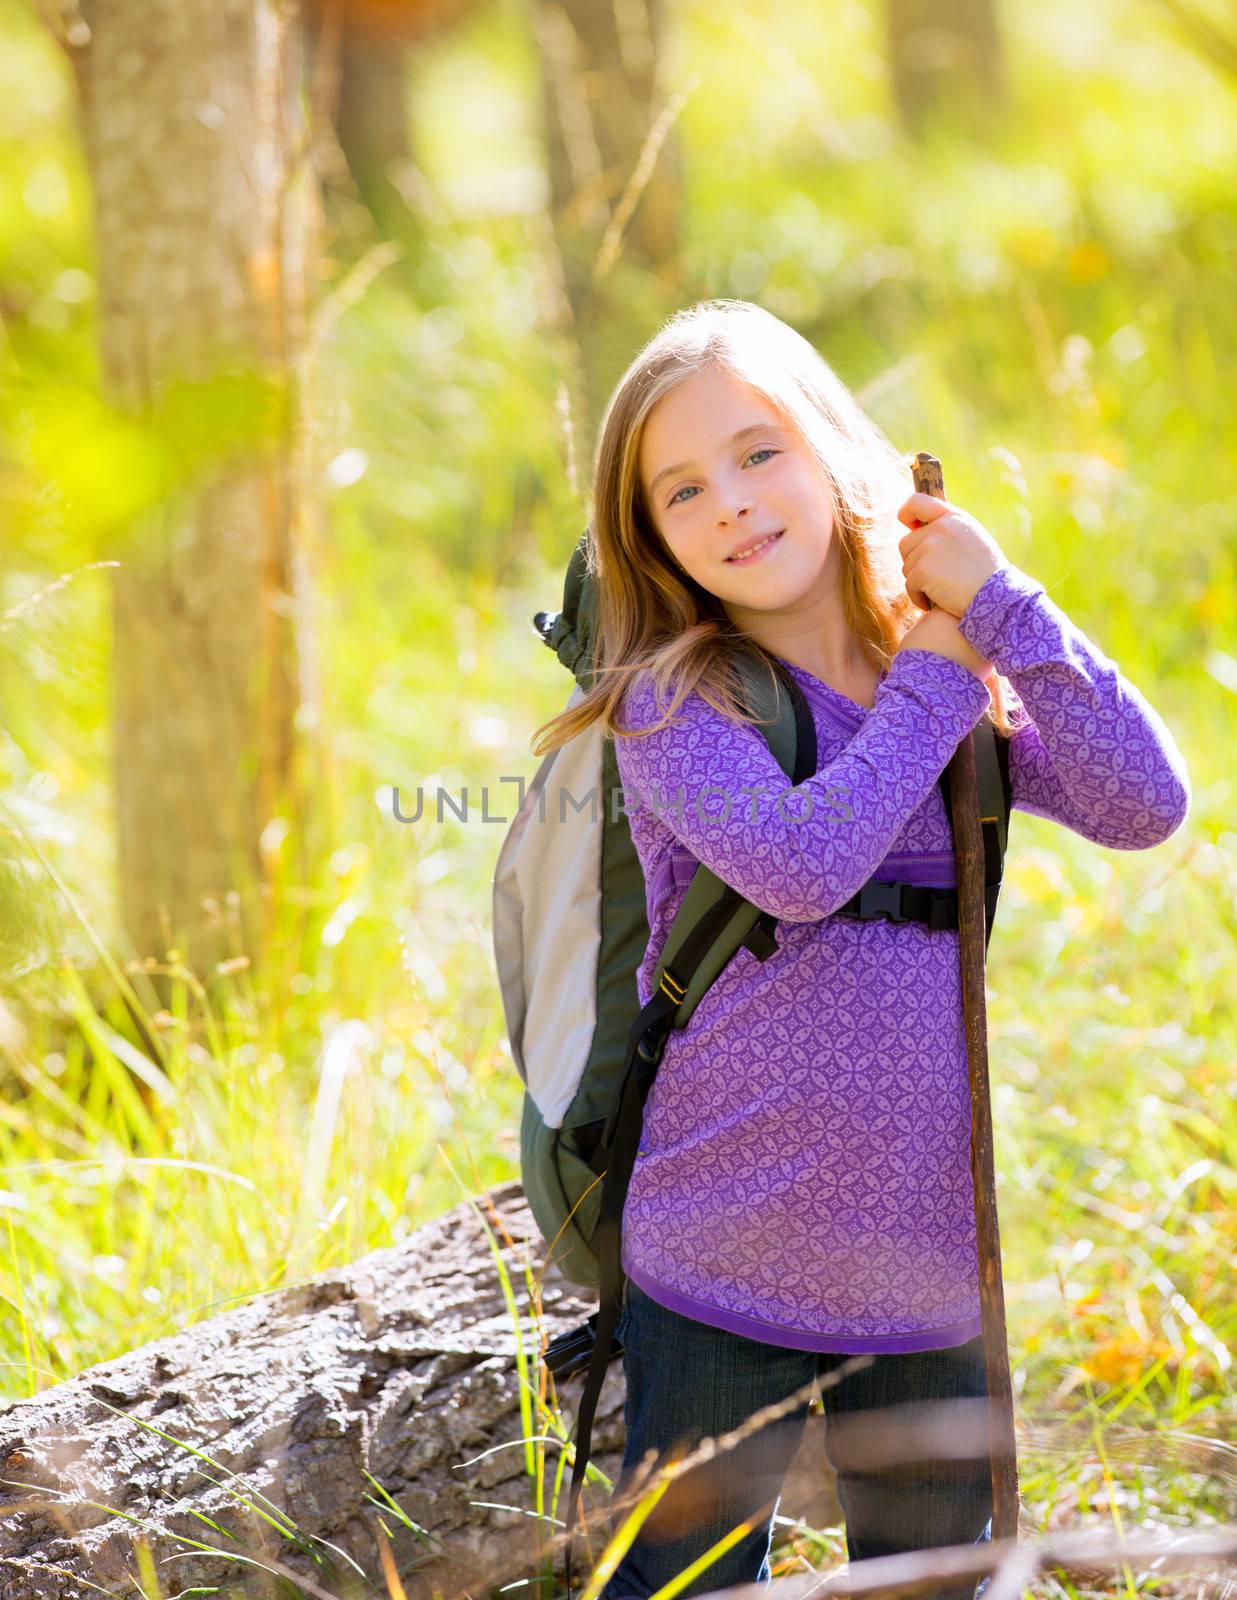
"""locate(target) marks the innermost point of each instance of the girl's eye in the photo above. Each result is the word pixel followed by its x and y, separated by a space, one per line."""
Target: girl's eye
pixel 764 450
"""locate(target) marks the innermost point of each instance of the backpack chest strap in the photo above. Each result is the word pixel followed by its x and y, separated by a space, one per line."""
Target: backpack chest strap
pixel 937 909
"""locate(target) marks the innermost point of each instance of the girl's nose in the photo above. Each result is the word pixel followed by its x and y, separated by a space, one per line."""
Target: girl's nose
pixel 734 506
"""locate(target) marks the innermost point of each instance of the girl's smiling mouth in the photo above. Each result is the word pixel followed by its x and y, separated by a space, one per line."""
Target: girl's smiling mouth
pixel 753 552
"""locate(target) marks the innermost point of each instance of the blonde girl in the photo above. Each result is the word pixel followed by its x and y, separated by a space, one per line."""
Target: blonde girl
pixel 803 1192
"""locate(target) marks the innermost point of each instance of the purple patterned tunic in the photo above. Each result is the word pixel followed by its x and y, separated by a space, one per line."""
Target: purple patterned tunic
pixel 804 1173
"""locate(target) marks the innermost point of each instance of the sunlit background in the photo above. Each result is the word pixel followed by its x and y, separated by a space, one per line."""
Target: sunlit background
pixel 296 422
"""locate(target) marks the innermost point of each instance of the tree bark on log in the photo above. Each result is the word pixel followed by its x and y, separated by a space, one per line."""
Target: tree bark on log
pixel 401 1365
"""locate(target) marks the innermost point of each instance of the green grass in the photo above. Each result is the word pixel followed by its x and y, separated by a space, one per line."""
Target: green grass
pixel 1052 317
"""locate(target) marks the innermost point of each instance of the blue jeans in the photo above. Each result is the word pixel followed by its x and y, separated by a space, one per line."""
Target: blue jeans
pixel 907 1481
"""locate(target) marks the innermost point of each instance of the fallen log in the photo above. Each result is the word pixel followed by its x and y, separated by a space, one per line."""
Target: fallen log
pixel 248 1445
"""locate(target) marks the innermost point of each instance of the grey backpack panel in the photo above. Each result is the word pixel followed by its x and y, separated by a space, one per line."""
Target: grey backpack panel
pixel 547 923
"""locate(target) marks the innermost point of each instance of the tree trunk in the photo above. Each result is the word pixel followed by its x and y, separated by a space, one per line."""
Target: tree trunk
pixel 205 220
pixel 946 60
pixel 599 107
pixel 401 1366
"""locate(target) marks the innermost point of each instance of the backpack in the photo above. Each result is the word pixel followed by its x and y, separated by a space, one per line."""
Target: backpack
pixel 570 930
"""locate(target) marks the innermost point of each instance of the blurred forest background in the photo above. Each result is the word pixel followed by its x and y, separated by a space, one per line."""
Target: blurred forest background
pixel 306 321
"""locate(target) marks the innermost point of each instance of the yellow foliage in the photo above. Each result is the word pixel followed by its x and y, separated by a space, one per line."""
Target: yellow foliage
pixel 1123 1357
pixel 1033 246
pixel 1087 261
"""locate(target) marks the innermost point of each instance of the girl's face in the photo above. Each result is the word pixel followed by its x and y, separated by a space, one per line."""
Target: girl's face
pixel 721 471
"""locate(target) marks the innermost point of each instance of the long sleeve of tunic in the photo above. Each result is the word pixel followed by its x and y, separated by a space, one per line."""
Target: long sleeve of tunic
pixel 804 1173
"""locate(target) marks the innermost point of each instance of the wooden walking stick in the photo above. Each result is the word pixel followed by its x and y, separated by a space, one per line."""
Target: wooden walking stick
pixel 972 937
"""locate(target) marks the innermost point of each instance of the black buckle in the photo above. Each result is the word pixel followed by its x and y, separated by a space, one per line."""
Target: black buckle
pixel 881 900
pixel 571 1352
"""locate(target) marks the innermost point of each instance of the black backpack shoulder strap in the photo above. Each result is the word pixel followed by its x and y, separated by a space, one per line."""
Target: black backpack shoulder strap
pixel 995 801
pixel 992 773
pixel 770 693
pixel 1002 755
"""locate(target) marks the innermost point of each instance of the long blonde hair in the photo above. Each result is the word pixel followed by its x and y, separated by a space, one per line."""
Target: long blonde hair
pixel 651 616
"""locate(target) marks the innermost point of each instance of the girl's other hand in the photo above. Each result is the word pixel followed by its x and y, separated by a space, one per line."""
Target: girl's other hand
pixel 947 556
pixel 939 632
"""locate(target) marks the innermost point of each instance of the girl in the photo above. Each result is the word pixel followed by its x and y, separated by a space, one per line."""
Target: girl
pixel 803 1193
